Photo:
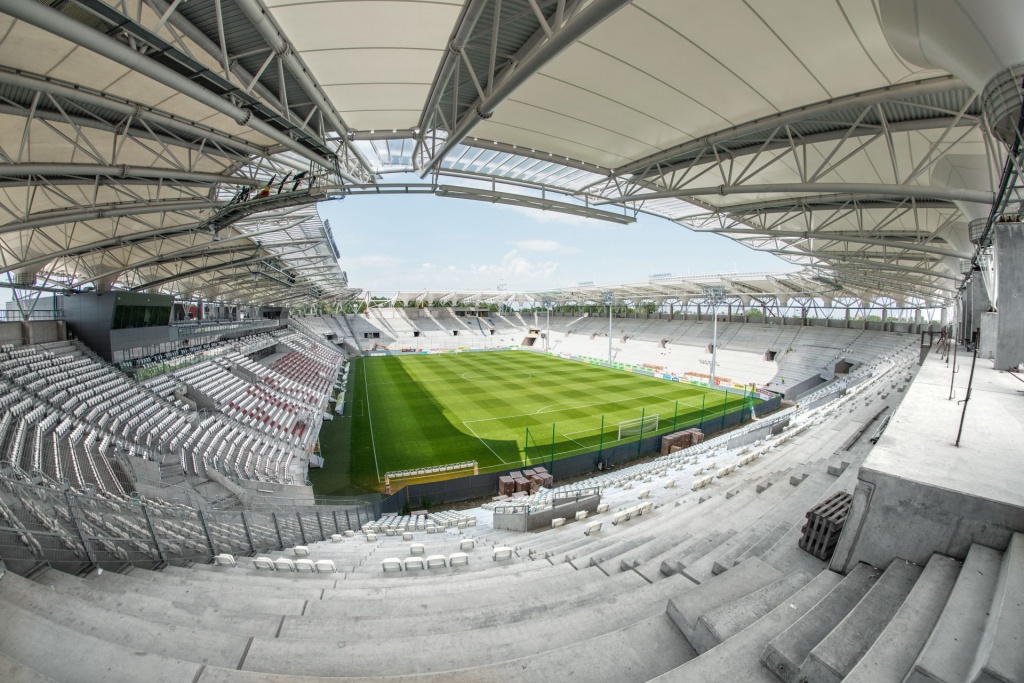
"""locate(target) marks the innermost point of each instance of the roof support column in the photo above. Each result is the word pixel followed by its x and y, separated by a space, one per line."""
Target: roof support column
pixel 1009 254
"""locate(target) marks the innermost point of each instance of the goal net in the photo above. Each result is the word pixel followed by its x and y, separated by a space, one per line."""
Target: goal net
pixel 640 425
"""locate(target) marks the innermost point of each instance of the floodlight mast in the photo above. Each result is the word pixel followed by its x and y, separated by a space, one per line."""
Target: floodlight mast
pixel 547 333
pixel 609 298
pixel 714 294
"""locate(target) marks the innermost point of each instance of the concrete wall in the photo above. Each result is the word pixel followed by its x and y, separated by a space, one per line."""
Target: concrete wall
pixel 10 333
pixel 542 520
pixel 568 510
pixel 1009 250
pixel 975 303
pixel 89 317
pixel 44 331
pixel 989 335
pixel 795 391
pixel 893 517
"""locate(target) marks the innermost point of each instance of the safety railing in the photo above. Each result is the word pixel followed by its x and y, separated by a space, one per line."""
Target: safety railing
pixel 46 526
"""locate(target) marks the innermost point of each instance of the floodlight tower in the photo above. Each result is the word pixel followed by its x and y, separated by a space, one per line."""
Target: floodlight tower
pixel 715 294
pixel 547 333
pixel 609 300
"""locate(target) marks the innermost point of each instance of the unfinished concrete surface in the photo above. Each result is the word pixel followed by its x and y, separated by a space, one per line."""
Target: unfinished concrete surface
pixel 680 591
pixel 918 493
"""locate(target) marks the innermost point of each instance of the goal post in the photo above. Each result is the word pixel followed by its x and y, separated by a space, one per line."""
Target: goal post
pixel 641 425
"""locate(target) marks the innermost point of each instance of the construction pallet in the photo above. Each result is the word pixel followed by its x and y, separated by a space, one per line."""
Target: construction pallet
pixel 824 525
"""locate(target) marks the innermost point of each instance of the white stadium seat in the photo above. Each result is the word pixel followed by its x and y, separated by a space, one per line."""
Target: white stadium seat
pixel 502 553
pixel 458 560
pixel 283 564
pixel 435 561
pixel 263 563
pixel 391 564
pixel 224 560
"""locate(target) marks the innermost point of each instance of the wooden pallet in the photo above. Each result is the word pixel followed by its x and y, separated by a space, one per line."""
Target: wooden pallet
pixel 824 525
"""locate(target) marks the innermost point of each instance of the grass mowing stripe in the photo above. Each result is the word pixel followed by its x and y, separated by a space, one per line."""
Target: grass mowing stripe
pixel 369 418
pixel 440 409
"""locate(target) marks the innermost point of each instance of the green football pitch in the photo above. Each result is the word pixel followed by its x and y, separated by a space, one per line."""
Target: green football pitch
pixel 503 409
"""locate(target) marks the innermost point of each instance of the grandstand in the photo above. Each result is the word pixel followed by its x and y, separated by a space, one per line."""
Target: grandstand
pixel 182 350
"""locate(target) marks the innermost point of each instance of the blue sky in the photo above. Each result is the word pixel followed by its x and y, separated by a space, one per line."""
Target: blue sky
pixel 414 242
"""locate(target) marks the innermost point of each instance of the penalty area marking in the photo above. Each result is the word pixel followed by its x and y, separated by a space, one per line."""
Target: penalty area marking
pixel 497 377
pixel 503 460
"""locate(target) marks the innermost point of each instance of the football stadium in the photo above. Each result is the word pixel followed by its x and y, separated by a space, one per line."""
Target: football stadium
pixel 273 409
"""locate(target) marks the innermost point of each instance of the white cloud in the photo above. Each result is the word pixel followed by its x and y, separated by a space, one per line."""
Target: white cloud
pixel 374 261
pixel 513 269
pixel 545 246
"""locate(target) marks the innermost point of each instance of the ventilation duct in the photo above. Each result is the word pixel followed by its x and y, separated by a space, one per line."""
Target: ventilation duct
pixel 979 42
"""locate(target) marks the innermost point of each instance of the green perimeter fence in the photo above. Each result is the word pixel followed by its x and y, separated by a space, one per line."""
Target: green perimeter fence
pixel 606 456
pixel 542 448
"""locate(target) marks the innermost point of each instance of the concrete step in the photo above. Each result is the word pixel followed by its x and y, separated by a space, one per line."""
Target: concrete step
pixel 836 655
pixel 764 508
pixel 564 545
pixel 311 652
pixel 579 556
pixel 895 650
pixel 338 603
pixel 785 655
pixel 216 598
pixel 701 569
pixel 720 624
pixel 232 576
pixel 1001 651
pixel 195 643
pixel 635 653
pixel 700 551
pixel 694 526
pixel 475 616
pixel 949 652
pixel 739 545
pixel 766 542
pixel 160 609
pixel 258 589
pixel 654 548
pixel 651 569
pixel 687 609
pixel 29 639
pixel 16 672
pixel 737 659
pixel 482 569
pixel 612 555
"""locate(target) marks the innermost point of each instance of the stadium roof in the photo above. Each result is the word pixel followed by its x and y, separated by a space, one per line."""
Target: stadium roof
pixel 804 287
pixel 127 128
